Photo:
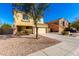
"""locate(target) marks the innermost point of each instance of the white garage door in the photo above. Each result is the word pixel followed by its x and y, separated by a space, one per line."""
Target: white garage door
pixel 41 30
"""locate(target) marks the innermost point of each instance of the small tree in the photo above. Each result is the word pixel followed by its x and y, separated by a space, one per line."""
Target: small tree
pixel 35 10
pixel 75 24
pixel 5 27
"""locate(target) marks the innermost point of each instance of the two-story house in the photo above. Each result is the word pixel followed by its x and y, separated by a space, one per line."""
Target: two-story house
pixel 58 25
pixel 24 21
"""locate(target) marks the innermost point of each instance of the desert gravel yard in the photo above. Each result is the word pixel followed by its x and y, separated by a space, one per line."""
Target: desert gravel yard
pixel 24 45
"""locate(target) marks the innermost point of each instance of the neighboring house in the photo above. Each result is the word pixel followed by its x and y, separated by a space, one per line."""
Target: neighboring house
pixel 58 25
pixel 23 21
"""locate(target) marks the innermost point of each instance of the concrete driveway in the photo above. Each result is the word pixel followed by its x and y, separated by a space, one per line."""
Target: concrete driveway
pixel 68 47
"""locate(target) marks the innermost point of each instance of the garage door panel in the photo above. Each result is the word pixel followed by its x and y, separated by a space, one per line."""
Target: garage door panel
pixel 41 30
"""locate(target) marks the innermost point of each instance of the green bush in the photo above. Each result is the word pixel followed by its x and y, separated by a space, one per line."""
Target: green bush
pixel 19 33
pixel 65 33
pixel 24 32
pixel 67 29
pixel 6 29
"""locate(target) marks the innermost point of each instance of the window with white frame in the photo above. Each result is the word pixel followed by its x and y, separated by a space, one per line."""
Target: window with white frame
pixel 25 17
pixel 39 20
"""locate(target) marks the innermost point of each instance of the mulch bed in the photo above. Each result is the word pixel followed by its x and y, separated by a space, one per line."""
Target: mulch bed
pixel 24 46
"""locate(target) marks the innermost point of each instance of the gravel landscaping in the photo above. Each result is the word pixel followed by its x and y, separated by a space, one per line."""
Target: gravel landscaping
pixel 24 45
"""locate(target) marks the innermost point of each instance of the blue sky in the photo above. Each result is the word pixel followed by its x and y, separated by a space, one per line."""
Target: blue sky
pixel 6 15
pixel 69 11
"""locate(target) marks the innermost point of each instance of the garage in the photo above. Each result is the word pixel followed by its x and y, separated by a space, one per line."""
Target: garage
pixel 41 30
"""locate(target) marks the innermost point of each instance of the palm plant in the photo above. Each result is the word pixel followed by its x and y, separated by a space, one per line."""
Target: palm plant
pixel 35 10
pixel 75 24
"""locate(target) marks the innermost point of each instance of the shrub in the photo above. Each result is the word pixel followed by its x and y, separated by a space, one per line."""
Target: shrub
pixel 67 29
pixel 24 32
pixel 18 33
pixel 6 29
pixel 65 33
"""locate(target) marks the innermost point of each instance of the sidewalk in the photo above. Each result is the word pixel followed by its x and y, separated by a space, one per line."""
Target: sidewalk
pixel 68 47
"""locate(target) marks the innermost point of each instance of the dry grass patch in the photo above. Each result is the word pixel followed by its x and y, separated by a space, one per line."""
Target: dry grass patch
pixel 25 45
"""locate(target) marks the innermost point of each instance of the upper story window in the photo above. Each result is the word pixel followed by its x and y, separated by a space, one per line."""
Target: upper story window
pixel 39 20
pixel 63 23
pixel 25 17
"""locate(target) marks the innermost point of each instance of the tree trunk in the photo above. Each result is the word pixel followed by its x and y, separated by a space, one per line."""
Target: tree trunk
pixel 36 31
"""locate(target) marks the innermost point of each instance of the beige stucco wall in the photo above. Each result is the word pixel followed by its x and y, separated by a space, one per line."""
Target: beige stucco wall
pixel 61 27
pixel 61 22
pixel 19 21
pixel 61 30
